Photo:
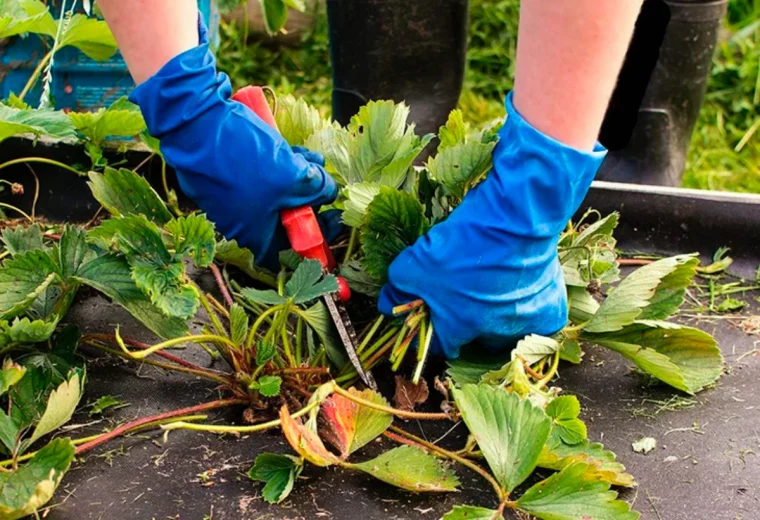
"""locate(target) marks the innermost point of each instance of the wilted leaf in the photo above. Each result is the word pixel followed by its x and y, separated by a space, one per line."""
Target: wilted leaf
pixel 22 239
pixel 349 426
pixel 575 494
pixel 644 445
pixel 112 276
pixel 534 348
pixel 412 469
pixel 15 121
pixel 22 279
pixel 297 120
pixel 564 412
pixel 193 235
pixel 628 300
pixel 510 431
pixel 60 406
pixel 395 220
pixel 683 357
pixel 472 513
pixel 105 402
pixel 309 283
pixel 24 491
pixel 590 255
pixel 123 192
pixel 557 455
pixel 408 395
pixel 278 472
pixel 305 441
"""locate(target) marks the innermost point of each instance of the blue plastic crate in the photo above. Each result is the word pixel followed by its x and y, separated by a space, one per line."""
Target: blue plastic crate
pixel 79 83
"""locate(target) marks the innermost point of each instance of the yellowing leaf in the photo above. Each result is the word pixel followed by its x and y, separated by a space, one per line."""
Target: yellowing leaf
pixel 557 455
pixel 412 469
pixel 60 406
pixel 348 426
pixel 305 441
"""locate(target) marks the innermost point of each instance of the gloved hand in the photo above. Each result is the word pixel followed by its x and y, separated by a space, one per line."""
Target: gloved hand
pixel 490 272
pixel 237 169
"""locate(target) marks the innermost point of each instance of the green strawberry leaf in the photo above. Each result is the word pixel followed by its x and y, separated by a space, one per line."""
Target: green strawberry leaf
pixel 264 352
pixel 557 455
pixel 275 15
pixel 93 38
pixel 472 513
pixel 358 279
pixel 459 167
pixel 297 120
pixel 534 348
pixel 121 119
pixel 15 121
pixel 278 472
pixel 358 197
pixel 574 494
pixel 24 491
pixel 22 279
pixel 510 431
pixel 25 16
pixel 73 251
pixel 238 324
pixel 670 293
pixel 193 236
pixel 123 192
pixel 10 374
pixel 113 277
pixel 454 132
pixel 564 411
pixel 9 432
pixel 317 317
pixel 268 386
pixel 395 220
pixel 412 469
pixel 309 283
pixel 24 330
pixel 629 299
pixel 22 239
pixel 683 357
pixel 268 297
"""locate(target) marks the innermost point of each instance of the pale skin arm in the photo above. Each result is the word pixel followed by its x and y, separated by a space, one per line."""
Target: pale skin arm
pixel 151 32
pixel 569 55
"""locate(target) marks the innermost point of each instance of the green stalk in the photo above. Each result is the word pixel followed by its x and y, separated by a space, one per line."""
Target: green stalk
pixel 14 208
pixel 351 245
pixel 42 160
pixel 422 353
pixel 370 334
pixel 254 329
pixel 210 338
pixel 35 75
pixel 387 409
pixel 299 341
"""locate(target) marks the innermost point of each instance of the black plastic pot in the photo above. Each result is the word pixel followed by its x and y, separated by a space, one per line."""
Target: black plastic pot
pixel 404 50
pixel 660 91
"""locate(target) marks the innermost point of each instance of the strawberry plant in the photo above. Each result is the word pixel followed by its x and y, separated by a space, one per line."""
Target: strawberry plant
pixel 283 360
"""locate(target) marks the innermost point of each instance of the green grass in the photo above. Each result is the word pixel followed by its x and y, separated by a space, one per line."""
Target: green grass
pixel 725 149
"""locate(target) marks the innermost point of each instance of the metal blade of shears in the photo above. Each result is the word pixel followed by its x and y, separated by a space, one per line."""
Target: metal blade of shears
pixel 348 337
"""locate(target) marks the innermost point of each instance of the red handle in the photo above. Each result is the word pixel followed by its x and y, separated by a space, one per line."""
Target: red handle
pixel 300 224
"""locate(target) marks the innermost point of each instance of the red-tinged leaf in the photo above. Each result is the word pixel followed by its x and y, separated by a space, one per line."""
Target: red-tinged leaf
pixel 305 441
pixel 349 426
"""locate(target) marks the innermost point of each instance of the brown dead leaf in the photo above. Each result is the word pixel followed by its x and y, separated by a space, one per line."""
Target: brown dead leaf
pixel 408 395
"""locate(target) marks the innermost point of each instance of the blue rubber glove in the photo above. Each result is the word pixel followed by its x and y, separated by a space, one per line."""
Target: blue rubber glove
pixel 237 169
pixel 490 272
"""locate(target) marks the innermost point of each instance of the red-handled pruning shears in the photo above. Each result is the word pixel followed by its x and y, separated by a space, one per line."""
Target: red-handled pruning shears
pixel 307 240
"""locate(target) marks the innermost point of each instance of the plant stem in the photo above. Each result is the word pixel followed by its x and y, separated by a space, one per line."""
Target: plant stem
pixel 256 324
pixel 286 347
pixel 191 410
pixel 351 245
pixel 207 374
pixel 14 208
pixel 299 341
pixel 453 456
pixel 387 409
pixel 35 75
pixel 551 373
pixel 83 440
pixel 370 334
pixel 222 286
pixel 218 327
pixel 200 338
pixel 423 351
pixel 43 160
pixel 213 428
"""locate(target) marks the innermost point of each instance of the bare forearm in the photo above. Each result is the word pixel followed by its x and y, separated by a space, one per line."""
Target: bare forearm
pixel 151 32
pixel 569 54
